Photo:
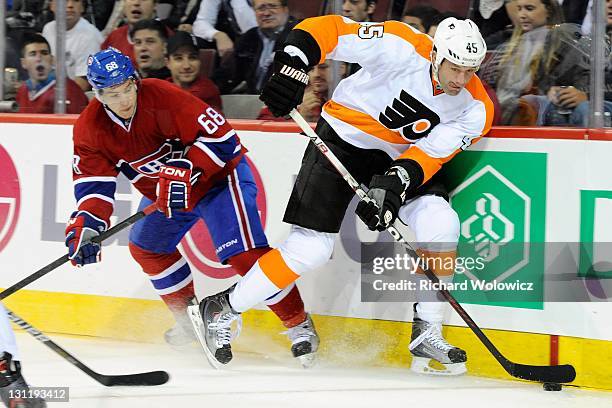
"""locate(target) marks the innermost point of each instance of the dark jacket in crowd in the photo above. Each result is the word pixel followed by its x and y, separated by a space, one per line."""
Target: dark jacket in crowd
pixel 574 11
pixel 162 73
pixel 243 65
pixel 178 11
pixel 571 65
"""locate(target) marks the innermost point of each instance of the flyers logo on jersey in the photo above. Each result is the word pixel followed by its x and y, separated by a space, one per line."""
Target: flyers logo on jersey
pixel 409 116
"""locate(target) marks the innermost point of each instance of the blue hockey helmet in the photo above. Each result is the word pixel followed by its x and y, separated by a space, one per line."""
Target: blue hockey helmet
pixel 108 68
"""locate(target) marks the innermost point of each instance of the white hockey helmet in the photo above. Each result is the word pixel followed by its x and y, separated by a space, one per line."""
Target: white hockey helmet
pixel 460 42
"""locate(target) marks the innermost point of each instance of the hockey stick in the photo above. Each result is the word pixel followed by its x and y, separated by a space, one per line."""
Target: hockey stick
pixel 557 374
pixel 64 258
pixel 148 378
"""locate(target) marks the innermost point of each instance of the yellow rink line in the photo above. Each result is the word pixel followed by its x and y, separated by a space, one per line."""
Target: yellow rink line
pixel 344 341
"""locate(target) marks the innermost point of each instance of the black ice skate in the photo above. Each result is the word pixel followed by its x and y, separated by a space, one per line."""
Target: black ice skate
pixel 181 334
pixel 304 341
pixel 212 323
pixel 13 387
pixel 427 344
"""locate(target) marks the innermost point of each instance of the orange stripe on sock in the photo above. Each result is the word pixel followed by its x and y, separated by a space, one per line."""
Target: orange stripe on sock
pixel 274 267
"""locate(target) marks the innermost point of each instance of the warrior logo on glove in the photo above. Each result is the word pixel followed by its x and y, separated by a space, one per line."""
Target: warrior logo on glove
pixel 285 90
pixel 295 74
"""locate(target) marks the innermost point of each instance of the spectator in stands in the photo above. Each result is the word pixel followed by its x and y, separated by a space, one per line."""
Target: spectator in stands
pixel 184 64
pixel 420 17
pixel 232 17
pixel 563 77
pixel 82 40
pixel 359 10
pixel 134 11
pixel 252 59
pixel 37 94
pixel 561 104
pixel 490 16
pixel 316 93
pixel 514 72
pixel 150 41
pixel 503 34
pixel 101 11
pixel 183 15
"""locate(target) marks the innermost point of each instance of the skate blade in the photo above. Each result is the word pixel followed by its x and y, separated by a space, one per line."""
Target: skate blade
pixel 425 365
pixel 198 327
pixel 308 360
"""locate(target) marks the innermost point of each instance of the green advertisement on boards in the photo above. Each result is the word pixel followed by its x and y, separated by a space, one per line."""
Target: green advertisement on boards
pixel 500 198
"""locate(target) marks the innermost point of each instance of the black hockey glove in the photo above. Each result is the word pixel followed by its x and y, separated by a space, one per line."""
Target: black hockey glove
pixel 386 196
pixel 285 89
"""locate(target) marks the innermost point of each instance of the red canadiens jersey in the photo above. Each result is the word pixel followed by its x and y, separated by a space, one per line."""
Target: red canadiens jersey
pixel 169 123
pixel 43 101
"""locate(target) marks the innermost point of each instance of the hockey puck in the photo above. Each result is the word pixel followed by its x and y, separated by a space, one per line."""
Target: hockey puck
pixel 552 387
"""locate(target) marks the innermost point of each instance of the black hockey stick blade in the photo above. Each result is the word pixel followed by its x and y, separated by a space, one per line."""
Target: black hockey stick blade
pixel 144 379
pixel 148 378
pixel 64 258
pixel 564 373
pixel 554 373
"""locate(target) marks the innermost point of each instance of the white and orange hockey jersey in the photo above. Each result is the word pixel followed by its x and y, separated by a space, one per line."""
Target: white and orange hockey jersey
pixel 392 103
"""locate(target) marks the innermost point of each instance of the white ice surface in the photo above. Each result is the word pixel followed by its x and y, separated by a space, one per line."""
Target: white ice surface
pixel 255 381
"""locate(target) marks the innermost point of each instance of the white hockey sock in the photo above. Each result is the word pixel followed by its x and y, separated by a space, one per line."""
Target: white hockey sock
pixel 429 309
pixel 278 296
pixel 253 288
pixel 303 251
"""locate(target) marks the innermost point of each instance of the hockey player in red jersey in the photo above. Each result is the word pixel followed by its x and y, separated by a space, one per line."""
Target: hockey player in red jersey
pixel 182 154
pixel 413 106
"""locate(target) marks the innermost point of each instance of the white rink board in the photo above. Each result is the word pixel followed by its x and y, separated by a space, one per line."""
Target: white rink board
pixel 42 156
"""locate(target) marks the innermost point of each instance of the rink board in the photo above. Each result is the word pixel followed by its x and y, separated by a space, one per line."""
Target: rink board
pixel 113 299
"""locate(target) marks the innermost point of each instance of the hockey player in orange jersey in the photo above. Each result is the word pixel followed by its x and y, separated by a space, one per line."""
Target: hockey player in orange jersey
pixel 412 107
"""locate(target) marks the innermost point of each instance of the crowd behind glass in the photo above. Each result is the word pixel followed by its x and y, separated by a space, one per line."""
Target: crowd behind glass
pixel 548 61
